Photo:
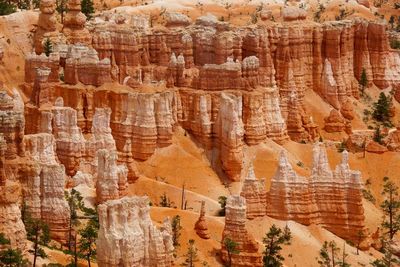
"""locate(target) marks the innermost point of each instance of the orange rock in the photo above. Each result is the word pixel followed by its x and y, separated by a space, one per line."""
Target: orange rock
pixel 11 224
pixel 125 225
pixel 74 24
pixel 47 25
pixel 254 192
pixel 374 147
pixel 12 124
pixel 111 178
pixel 319 199
pixel 334 122
pixel 235 229
pixel 230 134
pixel 201 225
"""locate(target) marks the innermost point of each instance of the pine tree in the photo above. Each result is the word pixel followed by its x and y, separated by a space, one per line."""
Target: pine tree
pixel 191 255
pixel 38 233
pixel 388 260
pixel 87 8
pixel 231 248
pixel 391 21
pixel 61 7
pixel 378 135
pixel 381 109
pixel 391 207
pixel 363 81
pixel 87 242
pixel 360 237
pixel 222 203
pixel 4 240
pixel 176 230
pixel 6 7
pixel 74 200
pixel 12 258
pixel 47 47
pixel 164 201
pixel 328 255
pixel 273 241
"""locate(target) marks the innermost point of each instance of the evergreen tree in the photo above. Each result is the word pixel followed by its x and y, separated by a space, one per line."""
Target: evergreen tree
pixel 363 81
pixel 360 237
pixel 222 203
pixel 4 240
pixel 191 255
pixel 176 230
pixel 164 201
pixel 231 248
pixel 6 7
pixel 47 47
pixel 74 200
pixel 381 109
pixel 87 242
pixel 38 233
pixel 391 207
pixel 328 255
pixel 87 8
pixel 378 135
pixel 12 258
pixel 61 7
pixel 388 260
pixel 391 21
pixel 273 241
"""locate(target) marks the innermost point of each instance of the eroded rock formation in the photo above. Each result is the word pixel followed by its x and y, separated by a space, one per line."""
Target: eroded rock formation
pixel 201 224
pixel 11 224
pixel 319 198
pixel 111 178
pixel 12 124
pixel 47 24
pixel 74 24
pixel 235 229
pixel 128 237
pixel 43 182
pixel 253 190
pixel 230 133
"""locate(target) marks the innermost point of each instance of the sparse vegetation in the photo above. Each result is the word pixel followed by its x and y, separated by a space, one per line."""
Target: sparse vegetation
pixel 61 7
pixel 191 255
pixel 320 10
pixel 390 207
pixel 388 259
pixel 378 135
pixel 165 201
pixel 329 255
pixel 87 242
pixel 231 248
pixel 273 241
pixel 363 81
pixel 10 257
pixel 6 7
pixel 87 8
pixel 37 232
pixel 222 203
pixel 381 110
pixel 367 194
pixel 47 47
pixel 395 44
pixel 176 230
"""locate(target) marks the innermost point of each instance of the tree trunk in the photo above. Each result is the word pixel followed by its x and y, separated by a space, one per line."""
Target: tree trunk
pixel 35 250
pixel 76 255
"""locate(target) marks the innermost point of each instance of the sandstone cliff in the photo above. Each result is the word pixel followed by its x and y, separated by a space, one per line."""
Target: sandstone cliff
pixel 128 237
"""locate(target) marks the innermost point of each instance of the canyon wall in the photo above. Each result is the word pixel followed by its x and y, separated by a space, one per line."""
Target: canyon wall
pixel 235 230
pixel 128 237
pixel 329 198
